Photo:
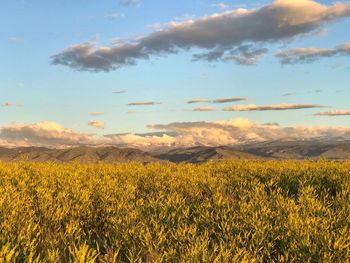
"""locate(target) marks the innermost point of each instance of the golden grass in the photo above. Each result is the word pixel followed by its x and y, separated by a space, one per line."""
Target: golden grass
pixel 239 211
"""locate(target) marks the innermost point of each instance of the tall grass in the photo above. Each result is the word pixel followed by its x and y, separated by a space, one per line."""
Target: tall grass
pixel 240 211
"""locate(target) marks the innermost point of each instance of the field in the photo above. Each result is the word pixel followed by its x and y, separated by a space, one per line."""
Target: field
pixel 239 211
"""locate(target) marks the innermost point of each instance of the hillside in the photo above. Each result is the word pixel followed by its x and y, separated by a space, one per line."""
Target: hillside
pixel 79 154
pixel 205 154
pixel 278 150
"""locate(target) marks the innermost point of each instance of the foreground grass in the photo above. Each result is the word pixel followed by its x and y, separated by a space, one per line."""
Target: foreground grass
pixel 242 211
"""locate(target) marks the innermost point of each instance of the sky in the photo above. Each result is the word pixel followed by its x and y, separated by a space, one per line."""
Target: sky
pixel 173 73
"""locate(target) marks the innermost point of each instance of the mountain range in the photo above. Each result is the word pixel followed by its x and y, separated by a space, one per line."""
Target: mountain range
pixel 276 150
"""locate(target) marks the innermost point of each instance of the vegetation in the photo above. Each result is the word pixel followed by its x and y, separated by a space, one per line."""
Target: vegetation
pixel 239 211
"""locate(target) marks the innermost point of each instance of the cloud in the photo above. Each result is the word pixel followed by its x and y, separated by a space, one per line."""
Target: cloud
pixel 183 134
pixel 233 34
pixel 334 113
pixel 309 55
pixel 198 101
pixel 114 16
pixel 119 92
pixel 150 103
pixel 97 124
pixel 44 134
pixel 8 104
pixel 253 107
pixel 96 113
pixel 243 55
pixel 289 94
pixel 129 2
pixel 242 131
pixel 226 100
pixel 204 109
pixel 220 5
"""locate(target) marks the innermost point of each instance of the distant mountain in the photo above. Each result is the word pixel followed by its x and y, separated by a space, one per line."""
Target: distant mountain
pixel 79 154
pixel 315 149
pixel 276 150
pixel 204 154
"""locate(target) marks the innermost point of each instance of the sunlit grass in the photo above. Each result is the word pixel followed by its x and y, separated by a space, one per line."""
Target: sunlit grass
pixel 240 211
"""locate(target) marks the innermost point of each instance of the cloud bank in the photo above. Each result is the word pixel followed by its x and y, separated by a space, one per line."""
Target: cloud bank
pixel 231 35
pixel 309 55
pixel 46 134
pixel 183 134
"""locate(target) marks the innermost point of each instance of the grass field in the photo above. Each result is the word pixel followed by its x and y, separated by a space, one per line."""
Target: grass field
pixel 239 211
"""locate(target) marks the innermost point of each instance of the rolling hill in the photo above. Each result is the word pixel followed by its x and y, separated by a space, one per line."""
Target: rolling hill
pixel 277 150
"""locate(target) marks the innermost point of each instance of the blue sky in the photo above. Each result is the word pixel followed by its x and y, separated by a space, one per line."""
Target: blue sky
pixel 36 91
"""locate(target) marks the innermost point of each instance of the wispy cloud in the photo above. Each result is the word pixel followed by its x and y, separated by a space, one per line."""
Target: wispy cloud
pixel 11 104
pixel 309 55
pixel 220 5
pixel 334 113
pixel 147 103
pixel 234 34
pixel 253 107
pixel 288 94
pixel 198 101
pixel 221 100
pixel 97 124
pixel 130 2
pixel 227 100
pixel 115 16
pixel 119 92
pixel 204 109
pixel 96 113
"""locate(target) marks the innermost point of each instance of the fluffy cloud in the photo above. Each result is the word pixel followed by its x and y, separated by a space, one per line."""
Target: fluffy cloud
pixel 186 134
pixel 334 113
pixel 253 107
pixel 47 134
pixel 97 124
pixel 231 35
pixel 309 55
pixel 148 103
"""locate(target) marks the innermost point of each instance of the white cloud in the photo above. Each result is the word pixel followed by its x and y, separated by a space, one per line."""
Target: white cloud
pixel 231 35
pixel 186 134
pixel 46 134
